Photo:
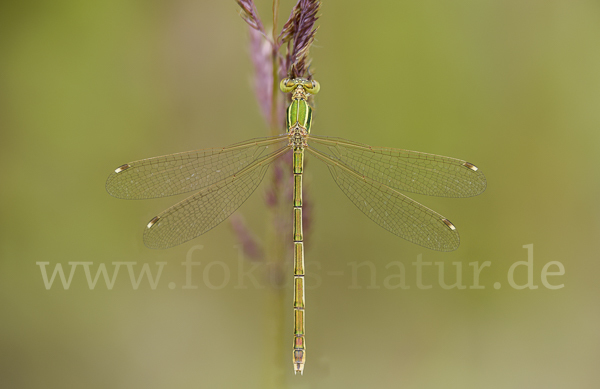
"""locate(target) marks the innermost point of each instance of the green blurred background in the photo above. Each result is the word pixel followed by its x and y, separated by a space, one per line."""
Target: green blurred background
pixel 510 85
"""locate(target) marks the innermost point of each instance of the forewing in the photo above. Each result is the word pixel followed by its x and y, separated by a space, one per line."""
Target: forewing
pixel 204 210
pixel 392 210
pixel 405 170
pixel 174 174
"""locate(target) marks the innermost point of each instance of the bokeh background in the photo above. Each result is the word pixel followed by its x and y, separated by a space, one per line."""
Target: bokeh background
pixel 510 85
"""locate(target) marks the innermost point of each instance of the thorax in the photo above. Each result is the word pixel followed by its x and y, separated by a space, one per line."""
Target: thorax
pixel 299 118
pixel 299 114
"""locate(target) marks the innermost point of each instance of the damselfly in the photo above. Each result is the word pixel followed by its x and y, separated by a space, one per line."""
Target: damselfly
pixel 371 177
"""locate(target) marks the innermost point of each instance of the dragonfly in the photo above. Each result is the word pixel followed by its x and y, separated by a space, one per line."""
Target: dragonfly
pixel 371 177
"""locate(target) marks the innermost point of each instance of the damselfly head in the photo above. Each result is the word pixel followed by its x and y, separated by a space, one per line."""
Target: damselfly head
pixel 287 85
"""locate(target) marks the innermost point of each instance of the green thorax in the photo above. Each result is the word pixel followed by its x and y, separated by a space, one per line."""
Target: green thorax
pixel 299 113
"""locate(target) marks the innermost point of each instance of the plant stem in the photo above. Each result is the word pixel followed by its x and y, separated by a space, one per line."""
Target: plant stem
pixel 275 90
pixel 275 361
pixel 275 250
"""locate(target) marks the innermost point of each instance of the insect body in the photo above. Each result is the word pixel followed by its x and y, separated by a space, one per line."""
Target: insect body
pixel 371 177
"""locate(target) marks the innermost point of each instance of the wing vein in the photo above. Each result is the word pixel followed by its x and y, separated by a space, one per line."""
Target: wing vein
pixel 390 209
pixel 406 170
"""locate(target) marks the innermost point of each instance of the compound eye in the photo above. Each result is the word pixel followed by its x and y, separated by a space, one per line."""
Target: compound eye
pixel 287 85
pixel 312 87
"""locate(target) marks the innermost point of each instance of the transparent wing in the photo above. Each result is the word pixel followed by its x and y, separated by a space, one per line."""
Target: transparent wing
pixel 174 174
pixel 405 170
pixel 392 210
pixel 204 210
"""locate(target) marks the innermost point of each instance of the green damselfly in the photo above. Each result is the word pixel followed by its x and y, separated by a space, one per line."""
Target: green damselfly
pixel 371 177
